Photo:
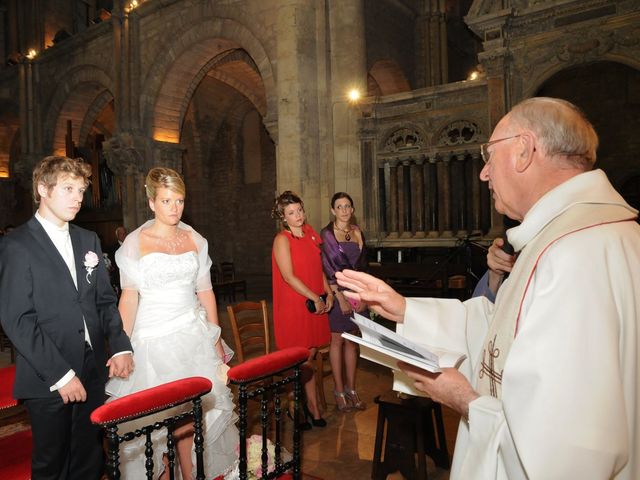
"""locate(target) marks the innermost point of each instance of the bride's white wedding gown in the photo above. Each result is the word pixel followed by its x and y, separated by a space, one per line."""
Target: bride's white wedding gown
pixel 171 339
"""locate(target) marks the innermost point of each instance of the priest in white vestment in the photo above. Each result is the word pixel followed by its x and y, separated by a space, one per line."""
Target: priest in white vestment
pixel 549 389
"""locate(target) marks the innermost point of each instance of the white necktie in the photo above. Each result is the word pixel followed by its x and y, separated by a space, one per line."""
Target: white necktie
pixel 67 255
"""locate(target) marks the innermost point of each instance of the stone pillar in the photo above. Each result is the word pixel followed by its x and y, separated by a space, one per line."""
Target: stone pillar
pixel 125 159
pixel 476 166
pixel 494 63
pixel 431 45
pixel 393 201
pixel 432 197
pixel 405 200
pixel 348 71
pixel 461 194
pixel 298 163
pixel 444 196
pixel 417 179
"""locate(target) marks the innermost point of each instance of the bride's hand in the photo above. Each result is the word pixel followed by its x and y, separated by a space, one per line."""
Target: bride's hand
pixel 220 350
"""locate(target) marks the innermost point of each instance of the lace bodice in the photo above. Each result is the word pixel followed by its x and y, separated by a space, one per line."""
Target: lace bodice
pixel 162 271
pixel 167 292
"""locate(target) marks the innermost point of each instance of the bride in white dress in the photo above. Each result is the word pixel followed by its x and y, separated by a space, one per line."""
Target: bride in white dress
pixel 169 311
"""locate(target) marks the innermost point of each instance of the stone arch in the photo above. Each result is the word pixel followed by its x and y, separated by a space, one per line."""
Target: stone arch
pixel 403 138
pixel 386 78
pixel 459 132
pixel 616 116
pixel 166 96
pixel 72 100
pixel 545 75
pixel 92 115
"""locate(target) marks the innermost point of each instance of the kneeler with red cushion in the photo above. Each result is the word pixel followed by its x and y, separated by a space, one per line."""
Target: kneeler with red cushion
pixel 15 459
pixel 285 366
pixel 147 402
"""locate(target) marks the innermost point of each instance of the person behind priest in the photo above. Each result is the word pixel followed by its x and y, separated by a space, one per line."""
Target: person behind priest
pixel 169 310
pixel 297 277
pixel 499 263
pixel 58 308
pixel 343 247
pixel 549 388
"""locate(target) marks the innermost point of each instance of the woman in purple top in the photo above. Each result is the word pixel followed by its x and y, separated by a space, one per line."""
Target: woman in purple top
pixel 343 247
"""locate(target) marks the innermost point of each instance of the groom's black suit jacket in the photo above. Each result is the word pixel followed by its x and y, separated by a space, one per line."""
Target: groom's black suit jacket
pixel 41 310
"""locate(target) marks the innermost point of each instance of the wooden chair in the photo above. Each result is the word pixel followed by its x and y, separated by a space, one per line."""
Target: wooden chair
pixel 321 355
pixel 148 402
pixel 250 326
pixel 229 278
pixel 265 378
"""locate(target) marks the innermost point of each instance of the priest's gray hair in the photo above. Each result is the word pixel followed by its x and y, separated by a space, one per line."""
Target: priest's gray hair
pixel 562 129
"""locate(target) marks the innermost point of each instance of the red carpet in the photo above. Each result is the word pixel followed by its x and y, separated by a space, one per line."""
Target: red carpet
pixel 17 464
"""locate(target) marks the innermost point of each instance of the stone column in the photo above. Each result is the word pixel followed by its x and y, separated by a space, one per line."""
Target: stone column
pixel 125 159
pixel 476 167
pixel 461 194
pixel 432 197
pixel 417 179
pixel 405 200
pixel 298 163
pixel 444 196
pixel 348 71
pixel 431 45
pixel 494 63
pixel 393 200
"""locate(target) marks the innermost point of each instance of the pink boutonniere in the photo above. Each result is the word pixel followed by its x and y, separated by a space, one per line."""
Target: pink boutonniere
pixel 90 263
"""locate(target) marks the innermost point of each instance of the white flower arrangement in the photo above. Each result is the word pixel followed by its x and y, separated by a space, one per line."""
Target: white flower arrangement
pixel 91 261
pixel 254 456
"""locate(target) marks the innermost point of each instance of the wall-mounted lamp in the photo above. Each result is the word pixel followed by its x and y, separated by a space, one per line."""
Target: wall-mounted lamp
pixel 31 54
pixel 473 75
pixel 353 95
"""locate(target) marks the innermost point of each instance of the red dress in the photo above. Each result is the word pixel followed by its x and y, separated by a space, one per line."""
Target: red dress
pixel 293 324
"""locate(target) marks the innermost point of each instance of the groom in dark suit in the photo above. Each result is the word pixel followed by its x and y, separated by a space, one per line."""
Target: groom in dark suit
pixel 59 310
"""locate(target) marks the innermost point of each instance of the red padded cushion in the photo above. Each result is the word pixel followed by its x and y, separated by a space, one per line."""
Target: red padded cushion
pixel 15 460
pixel 7 377
pixel 267 364
pixel 151 400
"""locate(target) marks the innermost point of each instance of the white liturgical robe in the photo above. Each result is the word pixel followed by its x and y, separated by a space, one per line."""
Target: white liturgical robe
pixel 569 405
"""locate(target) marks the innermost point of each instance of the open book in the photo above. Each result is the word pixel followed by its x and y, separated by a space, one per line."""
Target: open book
pixel 386 347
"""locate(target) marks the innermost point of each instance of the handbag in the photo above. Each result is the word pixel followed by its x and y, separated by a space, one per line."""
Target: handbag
pixel 311 305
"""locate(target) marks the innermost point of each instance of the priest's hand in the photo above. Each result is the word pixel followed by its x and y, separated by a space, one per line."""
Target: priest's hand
pixel 499 263
pixel 448 387
pixel 379 296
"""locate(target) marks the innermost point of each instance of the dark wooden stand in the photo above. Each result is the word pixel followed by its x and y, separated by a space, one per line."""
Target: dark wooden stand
pixel 414 428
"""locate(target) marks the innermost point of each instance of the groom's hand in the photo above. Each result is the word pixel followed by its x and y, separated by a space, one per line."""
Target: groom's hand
pixel 73 391
pixel 120 365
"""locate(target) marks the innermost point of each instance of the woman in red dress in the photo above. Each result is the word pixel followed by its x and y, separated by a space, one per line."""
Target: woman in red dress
pixel 297 279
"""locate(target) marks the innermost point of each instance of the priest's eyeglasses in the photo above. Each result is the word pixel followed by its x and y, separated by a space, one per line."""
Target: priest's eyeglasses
pixel 484 148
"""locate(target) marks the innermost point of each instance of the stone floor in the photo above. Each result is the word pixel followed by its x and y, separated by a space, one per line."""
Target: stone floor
pixel 344 448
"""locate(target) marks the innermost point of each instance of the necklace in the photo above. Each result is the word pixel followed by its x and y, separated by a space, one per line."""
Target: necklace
pixel 171 243
pixel 346 231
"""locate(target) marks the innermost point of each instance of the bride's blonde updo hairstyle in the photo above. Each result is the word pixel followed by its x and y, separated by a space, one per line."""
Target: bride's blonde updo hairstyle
pixel 285 199
pixel 160 177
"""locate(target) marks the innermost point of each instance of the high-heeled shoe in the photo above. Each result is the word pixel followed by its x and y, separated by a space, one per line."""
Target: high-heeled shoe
pixel 320 422
pixel 304 425
pixel 342 404
pixel 354 399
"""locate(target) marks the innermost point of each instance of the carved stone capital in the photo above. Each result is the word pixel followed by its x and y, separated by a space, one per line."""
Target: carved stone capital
pixel 123 158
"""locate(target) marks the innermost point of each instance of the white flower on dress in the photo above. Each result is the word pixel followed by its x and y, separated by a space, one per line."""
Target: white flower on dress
pixel 90 263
